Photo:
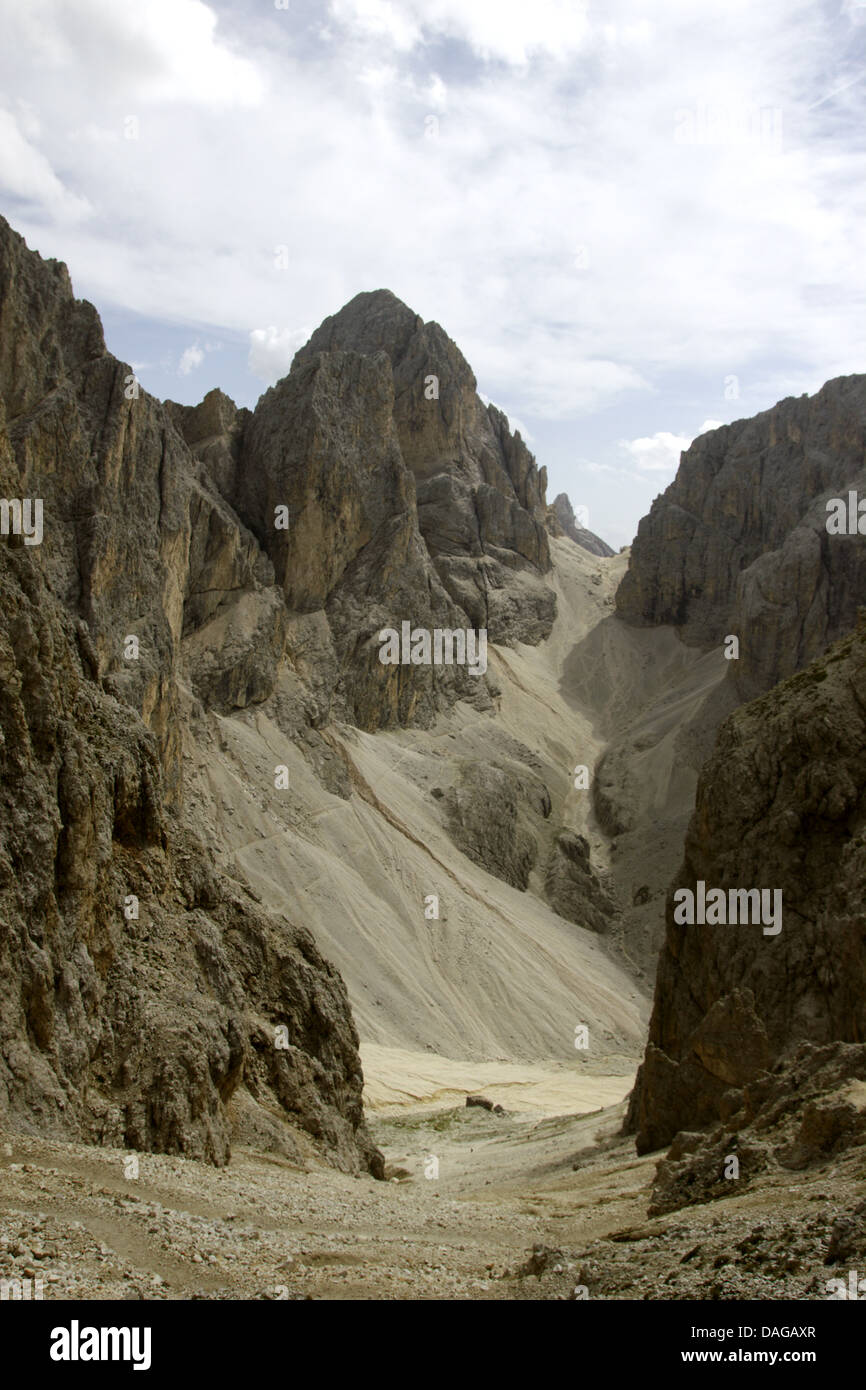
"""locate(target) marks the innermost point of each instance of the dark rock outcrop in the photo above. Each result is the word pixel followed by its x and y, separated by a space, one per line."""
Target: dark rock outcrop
pixel 573 887
pixel 738 543
pixel 493 812
pixel 780 805
pixel 480 1101
pixel 803 1114
pixel 479 494
pixel 324 444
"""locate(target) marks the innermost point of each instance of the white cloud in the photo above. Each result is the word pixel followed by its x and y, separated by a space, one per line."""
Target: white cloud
pixel 272 350
pixel 657 452
pixel 552 135
pixel 378 19
pixel 163 50
pixel 190 358
pixel 508 30
pixel 660 452
pixel 438 92
pixel 855 10
pixel 26 173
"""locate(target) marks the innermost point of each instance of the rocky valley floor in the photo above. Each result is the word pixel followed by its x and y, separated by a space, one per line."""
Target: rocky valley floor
pixel 525 1206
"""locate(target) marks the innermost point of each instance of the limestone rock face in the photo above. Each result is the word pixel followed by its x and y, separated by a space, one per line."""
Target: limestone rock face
pixel 574 888
pixel 140 988
pixel 138 1031
pixel 480 496
pixel 492 811
pixel 803 1114
pixel 213 429
pixel 106 464
pixel 365 501
pixel 738 543
pixel 780 805
pixel 561 521
pixel 323 443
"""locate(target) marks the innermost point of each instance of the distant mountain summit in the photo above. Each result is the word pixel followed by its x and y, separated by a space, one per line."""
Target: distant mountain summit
pixel 562 521
pixel 407 499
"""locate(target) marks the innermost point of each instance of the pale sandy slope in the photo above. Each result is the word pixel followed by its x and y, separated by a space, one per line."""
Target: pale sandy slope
pixel 398 1081
pixel 499 977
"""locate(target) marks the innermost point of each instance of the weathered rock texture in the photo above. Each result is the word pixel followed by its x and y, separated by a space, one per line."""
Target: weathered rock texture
pixel 738 543
pixel 323 442
pixel 403 505
pixel 574 888
pixel 781 804
pixel 493 812
pixel 479 495
pixel 144 1022
pixel 561 521
pixel 803 1114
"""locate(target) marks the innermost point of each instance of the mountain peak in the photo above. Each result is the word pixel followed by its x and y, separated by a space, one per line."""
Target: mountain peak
pixel 373 321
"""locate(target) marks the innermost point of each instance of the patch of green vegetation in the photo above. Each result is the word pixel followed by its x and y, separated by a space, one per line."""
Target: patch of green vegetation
pixel 438 1120
pixel 446 1119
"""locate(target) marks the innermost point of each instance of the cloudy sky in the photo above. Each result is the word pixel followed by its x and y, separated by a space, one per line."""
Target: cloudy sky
pixel 637 218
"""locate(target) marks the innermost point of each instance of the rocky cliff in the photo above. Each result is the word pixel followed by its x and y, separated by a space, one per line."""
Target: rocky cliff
pixel 738 543
pixel 480 496
pixel 737 547
pixel 405 499
pixel 780 806
pixel 142 990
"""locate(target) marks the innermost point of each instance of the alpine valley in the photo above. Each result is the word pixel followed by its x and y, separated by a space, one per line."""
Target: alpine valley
pixel 334 967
